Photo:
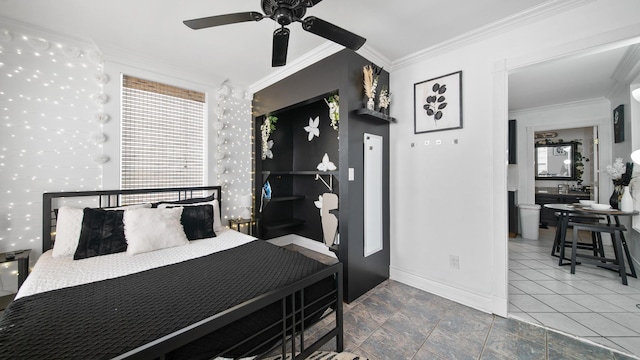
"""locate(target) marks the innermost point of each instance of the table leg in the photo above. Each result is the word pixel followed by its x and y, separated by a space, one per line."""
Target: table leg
pixel 625 247
pixel 564 220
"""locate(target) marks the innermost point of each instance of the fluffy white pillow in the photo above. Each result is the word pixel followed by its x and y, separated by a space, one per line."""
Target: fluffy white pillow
pixel 68 227
pixel 153 229
pixel 217 222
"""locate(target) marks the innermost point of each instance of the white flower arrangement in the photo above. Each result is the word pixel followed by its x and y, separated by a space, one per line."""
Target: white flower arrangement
pixel 267 127
pixel 384 99
pixel 616 170
pixel 334 110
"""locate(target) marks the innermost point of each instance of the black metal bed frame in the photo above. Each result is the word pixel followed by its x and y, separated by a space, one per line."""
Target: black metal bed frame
pixel 292 323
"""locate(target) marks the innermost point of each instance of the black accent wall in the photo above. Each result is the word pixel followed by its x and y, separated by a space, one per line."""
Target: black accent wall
pixel 293 100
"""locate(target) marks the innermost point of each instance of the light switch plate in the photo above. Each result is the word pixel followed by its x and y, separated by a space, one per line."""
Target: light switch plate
pixel 352 174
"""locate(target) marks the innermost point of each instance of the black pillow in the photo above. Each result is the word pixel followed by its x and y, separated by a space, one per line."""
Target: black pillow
pixel 197 221
pixel 102 233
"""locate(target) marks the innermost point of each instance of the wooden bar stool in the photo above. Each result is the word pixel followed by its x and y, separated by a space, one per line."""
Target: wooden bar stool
pixel 600 260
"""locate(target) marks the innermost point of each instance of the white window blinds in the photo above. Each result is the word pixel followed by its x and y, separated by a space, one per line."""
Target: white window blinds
pixel 162 136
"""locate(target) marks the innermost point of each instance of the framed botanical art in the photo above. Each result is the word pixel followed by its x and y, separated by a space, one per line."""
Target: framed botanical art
pixel 437 103
pixel 618 124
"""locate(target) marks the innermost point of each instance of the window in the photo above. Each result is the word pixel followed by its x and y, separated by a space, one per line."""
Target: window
pixel 162 136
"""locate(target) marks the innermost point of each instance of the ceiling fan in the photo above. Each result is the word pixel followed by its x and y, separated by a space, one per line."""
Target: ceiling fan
pixel 284 12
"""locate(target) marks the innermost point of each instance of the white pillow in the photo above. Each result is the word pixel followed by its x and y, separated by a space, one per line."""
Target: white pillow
pixel 153 229
pixel 69 226
pixel 217 222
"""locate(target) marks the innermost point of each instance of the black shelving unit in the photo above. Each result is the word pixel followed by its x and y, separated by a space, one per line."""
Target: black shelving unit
pixel 292 169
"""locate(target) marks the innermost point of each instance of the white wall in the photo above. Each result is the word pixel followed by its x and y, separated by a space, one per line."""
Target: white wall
pixel 48 95
pixel 51 90
pixel 450 199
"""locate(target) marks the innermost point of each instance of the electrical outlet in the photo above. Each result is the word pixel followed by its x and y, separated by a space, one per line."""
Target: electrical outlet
pixel 454 262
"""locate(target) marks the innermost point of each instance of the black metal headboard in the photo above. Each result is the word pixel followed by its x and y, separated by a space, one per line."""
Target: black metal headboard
pixel 112 198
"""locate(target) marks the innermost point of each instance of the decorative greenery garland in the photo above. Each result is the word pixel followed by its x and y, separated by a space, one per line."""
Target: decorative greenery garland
pixel 267 128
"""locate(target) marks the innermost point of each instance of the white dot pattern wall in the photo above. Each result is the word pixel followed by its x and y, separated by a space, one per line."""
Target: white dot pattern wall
pixel 51 139
pixel 232 160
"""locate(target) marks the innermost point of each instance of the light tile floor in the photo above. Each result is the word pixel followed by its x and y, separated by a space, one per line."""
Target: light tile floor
pixel 592 303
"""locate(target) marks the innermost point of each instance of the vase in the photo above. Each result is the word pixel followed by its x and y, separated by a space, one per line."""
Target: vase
pixel 626 202
pixel 371 104
pixel 614 200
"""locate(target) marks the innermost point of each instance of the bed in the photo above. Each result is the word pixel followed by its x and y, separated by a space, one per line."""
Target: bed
pixel 228 296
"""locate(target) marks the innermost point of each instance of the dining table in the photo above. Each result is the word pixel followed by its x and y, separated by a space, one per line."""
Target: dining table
pixel 566 211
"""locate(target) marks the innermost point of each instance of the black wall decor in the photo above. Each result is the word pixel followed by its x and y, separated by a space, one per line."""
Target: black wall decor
pixel 618 124
pixel 292 170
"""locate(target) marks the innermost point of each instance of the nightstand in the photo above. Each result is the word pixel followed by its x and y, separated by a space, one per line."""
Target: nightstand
pixel 246 226
pixel 22 257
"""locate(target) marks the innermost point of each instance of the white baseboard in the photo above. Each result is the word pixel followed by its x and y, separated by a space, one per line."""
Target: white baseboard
pixel 304 242
pixel 476 301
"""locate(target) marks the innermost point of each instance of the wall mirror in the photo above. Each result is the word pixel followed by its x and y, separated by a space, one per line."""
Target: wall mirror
pixel 555 161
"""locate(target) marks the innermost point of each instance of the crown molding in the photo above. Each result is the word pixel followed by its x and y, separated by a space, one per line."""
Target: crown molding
pixel 119 55
pixel 325 50
pixel 375 57
pixel 309 58
pixel 549 8
pixel 555 107
pixel 628 68
pixel 34 30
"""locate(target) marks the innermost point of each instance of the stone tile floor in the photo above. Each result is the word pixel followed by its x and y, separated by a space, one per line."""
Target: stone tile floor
pixel 396 321
pixel 592 303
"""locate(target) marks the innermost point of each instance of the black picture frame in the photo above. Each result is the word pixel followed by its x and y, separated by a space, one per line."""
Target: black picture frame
pixel 437 103
pixel 618 124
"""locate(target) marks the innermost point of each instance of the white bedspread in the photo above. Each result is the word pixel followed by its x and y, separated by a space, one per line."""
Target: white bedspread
pixel 51 273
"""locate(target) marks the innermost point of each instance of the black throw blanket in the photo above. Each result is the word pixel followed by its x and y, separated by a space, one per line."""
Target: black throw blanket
pixel 110 317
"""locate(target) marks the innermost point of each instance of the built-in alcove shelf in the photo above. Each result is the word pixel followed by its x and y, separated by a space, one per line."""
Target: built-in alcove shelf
pixel 364 112
pixel 283 224
pixel 312 172
pixel 285 198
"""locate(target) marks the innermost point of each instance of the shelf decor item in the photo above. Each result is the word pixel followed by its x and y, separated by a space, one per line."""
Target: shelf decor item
pixel 370 83
pixel 621 175
pixel 438 103
pixel 384 100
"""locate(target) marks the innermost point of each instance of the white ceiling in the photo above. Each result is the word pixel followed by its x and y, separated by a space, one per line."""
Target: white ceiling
pixel 152 30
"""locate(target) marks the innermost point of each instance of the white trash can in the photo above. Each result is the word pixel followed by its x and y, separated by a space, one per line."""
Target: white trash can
pixel 529 221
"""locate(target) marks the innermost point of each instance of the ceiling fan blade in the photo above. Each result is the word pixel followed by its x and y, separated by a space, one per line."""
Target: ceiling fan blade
pixel 311 3
pixel 332 32
pixel 280 46
pixel 223 20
